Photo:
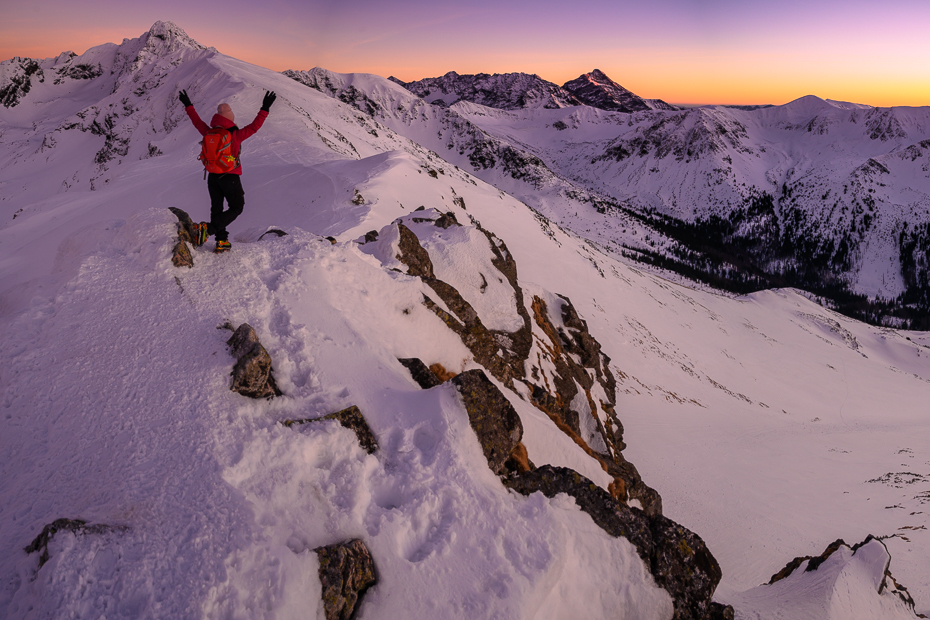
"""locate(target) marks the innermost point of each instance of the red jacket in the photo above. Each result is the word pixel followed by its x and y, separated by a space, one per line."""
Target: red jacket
pixel 238 135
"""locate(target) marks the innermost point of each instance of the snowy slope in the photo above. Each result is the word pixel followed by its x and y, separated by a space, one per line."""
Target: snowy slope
pixel 769 425
pixel 835 171
pixel 842 180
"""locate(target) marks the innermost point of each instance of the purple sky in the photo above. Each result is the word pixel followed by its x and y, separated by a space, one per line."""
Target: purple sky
pixel 683 51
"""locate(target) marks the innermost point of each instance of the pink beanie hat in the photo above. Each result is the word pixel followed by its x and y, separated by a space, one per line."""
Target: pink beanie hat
pixel 225 111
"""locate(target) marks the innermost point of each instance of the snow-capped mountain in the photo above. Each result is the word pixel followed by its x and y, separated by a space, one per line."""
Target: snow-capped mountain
pixel 825 196
pixel 506 91
pixel 496 477
pixel 597 90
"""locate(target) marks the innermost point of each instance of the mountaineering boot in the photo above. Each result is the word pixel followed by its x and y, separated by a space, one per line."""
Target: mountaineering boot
pixel 222 246
pixel 200 234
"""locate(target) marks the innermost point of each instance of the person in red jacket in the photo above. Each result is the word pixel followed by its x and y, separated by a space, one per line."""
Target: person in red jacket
pixel 227 186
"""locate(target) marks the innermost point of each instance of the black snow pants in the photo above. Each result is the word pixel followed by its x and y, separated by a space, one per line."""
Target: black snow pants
pixel 228 187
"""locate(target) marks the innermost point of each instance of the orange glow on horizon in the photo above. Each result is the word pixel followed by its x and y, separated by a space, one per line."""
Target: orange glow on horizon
pixel 684 76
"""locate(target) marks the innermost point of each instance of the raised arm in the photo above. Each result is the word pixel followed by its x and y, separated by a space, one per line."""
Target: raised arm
pixel 192 113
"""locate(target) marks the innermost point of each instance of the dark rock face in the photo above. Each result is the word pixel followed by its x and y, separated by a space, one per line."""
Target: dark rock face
pixel 252 373
pixel 491 416
pixel 678 559
pixel 352 419
pixel 77 526
pixel 347 570
pixel 413 255
pixel 420 372
pixel 684 566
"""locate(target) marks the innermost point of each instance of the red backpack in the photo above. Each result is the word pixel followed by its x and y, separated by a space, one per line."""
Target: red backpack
pixel 216 152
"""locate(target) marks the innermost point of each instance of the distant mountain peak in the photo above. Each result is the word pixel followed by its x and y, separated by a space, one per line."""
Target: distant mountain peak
pixel 599 91
pixel 170 36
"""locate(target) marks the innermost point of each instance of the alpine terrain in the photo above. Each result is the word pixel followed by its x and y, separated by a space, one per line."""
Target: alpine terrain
pixel 483 347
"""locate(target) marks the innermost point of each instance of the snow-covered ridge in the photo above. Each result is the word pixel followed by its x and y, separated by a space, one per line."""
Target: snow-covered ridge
pixel 516 91
pixel 588 169
pixel 770 425
pixel 508 91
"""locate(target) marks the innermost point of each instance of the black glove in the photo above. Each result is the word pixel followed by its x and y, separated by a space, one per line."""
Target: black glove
pixel 268 100
pixel 185 100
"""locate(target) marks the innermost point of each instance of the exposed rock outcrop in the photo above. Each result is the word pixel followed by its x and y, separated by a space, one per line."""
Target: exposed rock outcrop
pixel 76 526
pixel 567 376
pixel 678 559
pixel 420 372
pixel 570 380
pixel 181 253
pixel 502 353
pixel 347 570
pixel 352 419
pixel 492 417
pixel 252 374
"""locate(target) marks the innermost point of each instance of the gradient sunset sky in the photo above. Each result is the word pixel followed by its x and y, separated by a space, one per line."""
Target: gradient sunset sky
pixel 682 51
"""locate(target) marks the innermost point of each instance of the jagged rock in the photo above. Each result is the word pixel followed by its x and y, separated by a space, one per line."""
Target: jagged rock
pixel 424 377
pixel 612 516
pixel 181 253
pixel 813 561
pixel 501 353
pixel 684 566
pixel 352 419
pixel 76 526
pixel 185 223
pixel 491 416
pixel 677 558
pixel 413 255
pixel 576 361
pixel 347 570
pixel 252 373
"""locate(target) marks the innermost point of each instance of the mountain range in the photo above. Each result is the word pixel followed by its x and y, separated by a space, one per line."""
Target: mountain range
pixel 512 91
pixel 501 372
